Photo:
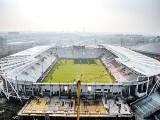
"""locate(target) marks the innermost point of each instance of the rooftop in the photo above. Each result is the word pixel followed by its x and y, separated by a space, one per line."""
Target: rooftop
pixel 152 48
pixel 32 51
pixel 140 63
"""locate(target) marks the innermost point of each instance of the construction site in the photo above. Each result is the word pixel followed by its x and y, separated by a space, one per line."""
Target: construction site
pixel 81 82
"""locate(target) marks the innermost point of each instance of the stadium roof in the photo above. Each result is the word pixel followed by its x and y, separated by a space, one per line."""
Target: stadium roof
pixel 152 48
pixel 27 57
pixel 32 51
pixel 136 61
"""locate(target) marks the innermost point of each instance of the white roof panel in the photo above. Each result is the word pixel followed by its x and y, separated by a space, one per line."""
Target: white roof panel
pixel 152 48
pixel 136 61
pixel 32 51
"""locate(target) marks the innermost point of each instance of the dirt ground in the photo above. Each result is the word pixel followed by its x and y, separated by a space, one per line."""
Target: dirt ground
pixel 10 108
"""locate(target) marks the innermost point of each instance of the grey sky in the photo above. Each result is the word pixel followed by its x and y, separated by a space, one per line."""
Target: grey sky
pixel 129 16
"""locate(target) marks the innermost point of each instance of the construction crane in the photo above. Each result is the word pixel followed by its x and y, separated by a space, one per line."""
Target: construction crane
pixel 78 98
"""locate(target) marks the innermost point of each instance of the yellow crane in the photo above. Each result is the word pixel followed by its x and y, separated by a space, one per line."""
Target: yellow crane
pixel 78 98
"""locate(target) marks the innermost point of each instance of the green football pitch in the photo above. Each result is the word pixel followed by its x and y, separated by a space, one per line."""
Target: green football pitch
pixel 72 70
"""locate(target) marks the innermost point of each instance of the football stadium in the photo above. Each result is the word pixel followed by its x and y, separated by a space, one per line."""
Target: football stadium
pixel 81 82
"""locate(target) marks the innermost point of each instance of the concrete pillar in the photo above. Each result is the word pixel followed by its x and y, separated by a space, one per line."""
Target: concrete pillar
pixel 112 90
pixel 6 84
pixel 24 88
pixel 50 91
pixel 142 87
pixel 136 88
pixel 122 93
pixel 95 91
pixel 129 90
pixel 86 89
pixel 41 90
pixel 67 88
pixel 103 90
pixel 17 88
pixel 59 91
pixel 32 91
pixel 147 86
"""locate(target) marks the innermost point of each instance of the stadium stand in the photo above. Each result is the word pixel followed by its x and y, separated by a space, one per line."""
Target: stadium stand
pixel 119 71
pixel 146 107
pixel 76 53
pixel 150 49
pixel 34 72
pixel 157 115
pixel 157 58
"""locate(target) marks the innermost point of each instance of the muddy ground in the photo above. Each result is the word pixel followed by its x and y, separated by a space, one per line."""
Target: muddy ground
pixel 10 108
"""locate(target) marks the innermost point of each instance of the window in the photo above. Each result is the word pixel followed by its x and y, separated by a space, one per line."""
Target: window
pixel 65 88
pixel 98 89
pixel 105 90
pixel 89 88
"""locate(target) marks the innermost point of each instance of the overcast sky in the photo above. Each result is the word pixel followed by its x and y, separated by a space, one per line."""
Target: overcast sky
pixel 118 16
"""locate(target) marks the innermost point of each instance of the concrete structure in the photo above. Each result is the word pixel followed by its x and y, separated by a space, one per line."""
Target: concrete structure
pixel 66 108
pixel 136 75
pixel 23 72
